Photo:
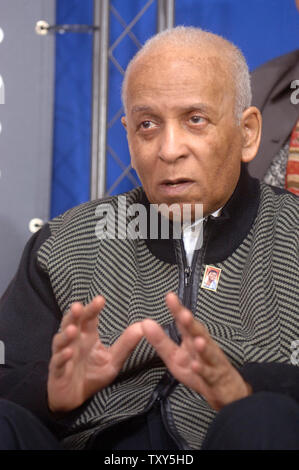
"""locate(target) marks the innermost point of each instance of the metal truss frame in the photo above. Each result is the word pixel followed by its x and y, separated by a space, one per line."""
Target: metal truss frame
pixel 102 54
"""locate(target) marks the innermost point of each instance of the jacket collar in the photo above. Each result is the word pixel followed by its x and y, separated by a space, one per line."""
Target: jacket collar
pixel 226 232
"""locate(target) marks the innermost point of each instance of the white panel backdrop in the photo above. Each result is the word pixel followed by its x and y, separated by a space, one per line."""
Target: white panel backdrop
pixel 26 115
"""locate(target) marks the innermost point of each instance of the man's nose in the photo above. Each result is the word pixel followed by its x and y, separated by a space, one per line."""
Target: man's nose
pixel 172 143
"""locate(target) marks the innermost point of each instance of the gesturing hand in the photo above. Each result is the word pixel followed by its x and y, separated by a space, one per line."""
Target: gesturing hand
pixel 198 362
pixel 80 364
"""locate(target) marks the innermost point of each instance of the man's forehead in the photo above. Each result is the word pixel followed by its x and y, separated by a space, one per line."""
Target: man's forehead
pixel 165 69
pixel 182 107
pixel 185 82
pixel 172 60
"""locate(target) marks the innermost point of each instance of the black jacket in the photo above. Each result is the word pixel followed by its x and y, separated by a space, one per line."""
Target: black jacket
pixel 272 95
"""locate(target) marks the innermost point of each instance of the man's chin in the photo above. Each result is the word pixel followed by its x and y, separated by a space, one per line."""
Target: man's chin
pixel 181 212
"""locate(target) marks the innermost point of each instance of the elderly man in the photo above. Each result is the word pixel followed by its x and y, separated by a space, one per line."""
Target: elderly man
pixel 207 369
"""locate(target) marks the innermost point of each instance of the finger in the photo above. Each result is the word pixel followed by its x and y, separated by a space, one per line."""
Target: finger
pixel 84 313
pixel 209 374
pixel 64 338
pixel 125 344
pixel 73 315
pixel 209 351
pixel 90 319
pixel 181 314
pixel 59 362
pixel 184 318
pixel 186 323
pixel 93 308
pixel 80 314
pixel 67 320
pixel 174 305
pixel 157 337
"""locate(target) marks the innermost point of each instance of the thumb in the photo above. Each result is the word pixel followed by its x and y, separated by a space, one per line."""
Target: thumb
pixel 126 343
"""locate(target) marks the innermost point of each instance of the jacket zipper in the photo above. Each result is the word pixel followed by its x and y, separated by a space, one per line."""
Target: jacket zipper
pixel 188 276
pixel 187 301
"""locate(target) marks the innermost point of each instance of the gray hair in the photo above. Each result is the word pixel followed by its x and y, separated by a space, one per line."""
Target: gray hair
pixel 196 37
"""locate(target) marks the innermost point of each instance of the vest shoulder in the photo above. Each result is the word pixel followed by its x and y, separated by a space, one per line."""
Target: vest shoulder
pixel 279 204
pixel 84 214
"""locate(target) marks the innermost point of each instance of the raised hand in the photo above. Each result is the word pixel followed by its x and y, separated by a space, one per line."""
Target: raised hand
pixel 198 362
pixel 81 365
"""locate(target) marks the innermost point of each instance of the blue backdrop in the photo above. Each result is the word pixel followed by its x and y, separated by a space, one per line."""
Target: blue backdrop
pixel 263 29
pixel 72 112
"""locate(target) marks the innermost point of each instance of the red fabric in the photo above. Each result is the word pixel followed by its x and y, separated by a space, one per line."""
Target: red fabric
pixel 292 171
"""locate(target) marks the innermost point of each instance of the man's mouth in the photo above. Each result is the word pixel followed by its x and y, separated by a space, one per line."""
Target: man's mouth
pixel 175 186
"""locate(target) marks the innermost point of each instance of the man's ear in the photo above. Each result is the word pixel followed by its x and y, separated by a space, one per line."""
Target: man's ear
pixel 251 125
pixel 124 122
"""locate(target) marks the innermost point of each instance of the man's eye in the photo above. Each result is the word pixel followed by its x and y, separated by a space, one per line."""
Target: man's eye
pixel 146 124
pixel 196 119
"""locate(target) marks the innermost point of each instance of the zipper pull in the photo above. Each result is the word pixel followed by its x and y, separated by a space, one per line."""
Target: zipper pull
pixel 187 275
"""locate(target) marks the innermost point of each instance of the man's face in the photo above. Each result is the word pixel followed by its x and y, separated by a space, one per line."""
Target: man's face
pixel 183 137
pixel 212 276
